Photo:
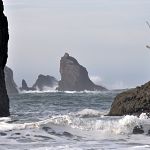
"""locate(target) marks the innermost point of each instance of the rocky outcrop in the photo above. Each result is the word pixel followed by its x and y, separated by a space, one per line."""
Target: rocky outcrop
pixel 74 77
pixel 134 101
pixel 4 37
pixel 45 82
pixel 25 87
pixel 10 84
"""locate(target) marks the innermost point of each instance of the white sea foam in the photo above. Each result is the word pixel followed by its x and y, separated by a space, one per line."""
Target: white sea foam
pixel 90 113
pixel 124 125
pixel 53 90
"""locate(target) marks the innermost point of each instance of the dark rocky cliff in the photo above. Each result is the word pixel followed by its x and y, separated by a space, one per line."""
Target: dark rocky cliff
pixel 134 101
pixel 74 77
pixel 10 83
pixel 4 37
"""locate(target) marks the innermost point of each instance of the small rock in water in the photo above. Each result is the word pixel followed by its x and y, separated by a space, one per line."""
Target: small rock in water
pixel 138 130
pixel 67 134
pixel 2 134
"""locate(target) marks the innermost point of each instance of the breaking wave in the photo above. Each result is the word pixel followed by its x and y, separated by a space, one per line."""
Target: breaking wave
pixel 102 124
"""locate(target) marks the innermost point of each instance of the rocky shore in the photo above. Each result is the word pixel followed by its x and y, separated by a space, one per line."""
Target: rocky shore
pixel 132 102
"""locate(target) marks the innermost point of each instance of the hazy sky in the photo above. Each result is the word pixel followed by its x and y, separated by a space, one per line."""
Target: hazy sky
pixel 108 37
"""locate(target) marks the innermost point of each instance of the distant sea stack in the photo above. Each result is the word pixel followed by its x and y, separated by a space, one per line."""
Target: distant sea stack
pixel 10 84
pixel 43 81
pixel 132 102
pixel 74 77
pixel 4 37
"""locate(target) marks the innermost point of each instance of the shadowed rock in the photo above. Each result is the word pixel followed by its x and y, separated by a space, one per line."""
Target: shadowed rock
pixel 134 101
pixel 74 77
pixel 4 37
pixel 10 84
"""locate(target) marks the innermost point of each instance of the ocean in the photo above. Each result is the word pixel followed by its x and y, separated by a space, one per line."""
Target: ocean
pixel 70 121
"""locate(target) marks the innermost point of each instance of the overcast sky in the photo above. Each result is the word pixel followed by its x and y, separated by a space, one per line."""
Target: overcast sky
pixel 108 37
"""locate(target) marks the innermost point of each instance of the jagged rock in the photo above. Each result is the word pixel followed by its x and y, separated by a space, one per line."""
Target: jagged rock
pixel 134 101
pixel 4 37
pixel 10 84
pixel 45 81
pixel 74 77
pixel 25 87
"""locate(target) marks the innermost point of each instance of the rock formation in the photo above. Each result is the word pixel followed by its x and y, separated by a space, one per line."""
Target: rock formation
pixel 74 77
pixel 10 84
pixel 25 87
pixel 41 83
pixel 4 37
pixel 134 101
pixel 45 81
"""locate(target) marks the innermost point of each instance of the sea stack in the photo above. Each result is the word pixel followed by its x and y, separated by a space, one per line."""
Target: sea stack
pixel 45 81
pixel 4 37
pixel 132 102
pixel 74 77
pixel 10 83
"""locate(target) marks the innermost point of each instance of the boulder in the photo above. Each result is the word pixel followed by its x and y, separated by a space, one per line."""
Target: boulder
pixel 134 101
pixel 10 84
pixel 45 82
pixel 4 37
pixel 74 77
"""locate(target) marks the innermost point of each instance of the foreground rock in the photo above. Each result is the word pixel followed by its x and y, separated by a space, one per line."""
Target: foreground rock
pixel 134 101
pixel 74 77
pixel 10 84
pixel 4 100
pixel 42 83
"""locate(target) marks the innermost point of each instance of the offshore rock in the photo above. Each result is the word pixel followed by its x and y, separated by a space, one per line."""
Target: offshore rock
pixel 4 37
pixel 74 77
pixel 10 84
pixel 134 101
pixel 25 87
pixel 45 82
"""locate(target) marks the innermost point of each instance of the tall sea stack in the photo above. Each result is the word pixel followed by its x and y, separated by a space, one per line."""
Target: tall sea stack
pixel 74 77
pixel 4 37
pixel 9 81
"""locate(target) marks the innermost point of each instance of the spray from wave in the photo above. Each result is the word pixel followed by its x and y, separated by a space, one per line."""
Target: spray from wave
pixel 84 120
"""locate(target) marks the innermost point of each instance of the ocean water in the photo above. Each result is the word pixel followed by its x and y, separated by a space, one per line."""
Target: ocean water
pixel 70 121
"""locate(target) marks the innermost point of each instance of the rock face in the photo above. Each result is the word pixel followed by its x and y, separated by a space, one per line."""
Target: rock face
pixel 10 84
pixel 45 81
pixel 4 37
pixel 74 77
pixel 134 101
pixel 41 83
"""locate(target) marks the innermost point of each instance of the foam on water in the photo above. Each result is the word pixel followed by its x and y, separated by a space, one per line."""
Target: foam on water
pixel 103 125
pixel 90 113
